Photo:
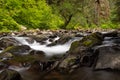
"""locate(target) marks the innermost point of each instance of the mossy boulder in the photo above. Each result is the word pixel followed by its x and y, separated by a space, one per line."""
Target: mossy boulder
pixel 17 50
pixel 10 75
pixel 24 60
pixel 87 42
pixel 68 63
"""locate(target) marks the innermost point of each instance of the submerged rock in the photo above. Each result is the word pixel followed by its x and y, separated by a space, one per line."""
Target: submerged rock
pixel 10 75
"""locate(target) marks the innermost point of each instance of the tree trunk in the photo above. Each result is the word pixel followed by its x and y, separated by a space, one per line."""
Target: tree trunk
pixel 102 11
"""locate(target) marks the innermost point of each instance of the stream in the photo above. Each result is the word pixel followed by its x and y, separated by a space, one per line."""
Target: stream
pixel 82 73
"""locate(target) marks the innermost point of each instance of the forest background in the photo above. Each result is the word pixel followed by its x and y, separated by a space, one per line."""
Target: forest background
pixel 59 14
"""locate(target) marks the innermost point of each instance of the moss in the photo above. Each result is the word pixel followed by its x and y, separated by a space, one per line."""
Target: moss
pixel 91 40
pixel 74 45
pixel 8 49
pixel 16 60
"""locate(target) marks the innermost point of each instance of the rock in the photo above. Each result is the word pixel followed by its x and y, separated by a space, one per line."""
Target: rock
pixel 17 50
pixel 111 34
pixel 62 40
pixel 109 57
pixel 3 65
pixel 66 64
pixel 10 75
pixel 30 40
pixel 40 38
pixel 81 53
pixel 38 66
pixel 87 42
pixel 38 54
pixel 6 42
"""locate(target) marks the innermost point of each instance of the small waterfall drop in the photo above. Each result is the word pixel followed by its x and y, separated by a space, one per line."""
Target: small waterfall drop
pixel 52 50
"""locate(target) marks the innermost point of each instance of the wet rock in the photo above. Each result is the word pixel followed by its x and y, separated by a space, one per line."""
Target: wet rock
pixel 110 34
pixel 41 67
pixel 109 57
pixel 78 47
pixel 5 56
pixel 10 75
pixel 62 40
pixel 67 64
pixel 7 41
pixel 36 67
pixel 41 38
pixel 17 50
pixel 38 54
pixel 30 40
pixel 3 65
pixel 81 53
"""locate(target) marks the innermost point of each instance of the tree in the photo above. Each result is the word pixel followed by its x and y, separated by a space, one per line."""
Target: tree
pixel 66 8
pixel 102 11
pixel 117 11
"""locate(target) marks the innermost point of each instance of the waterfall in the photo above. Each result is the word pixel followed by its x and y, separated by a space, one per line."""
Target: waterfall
pixel 51 50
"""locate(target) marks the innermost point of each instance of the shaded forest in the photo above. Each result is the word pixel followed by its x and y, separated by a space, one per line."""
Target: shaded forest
pixel 59 14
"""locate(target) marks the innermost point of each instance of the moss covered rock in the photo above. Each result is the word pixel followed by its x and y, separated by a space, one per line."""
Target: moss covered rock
pixel 87 42
pixel 17 50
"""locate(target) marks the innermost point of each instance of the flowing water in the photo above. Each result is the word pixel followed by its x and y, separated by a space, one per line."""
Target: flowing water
pixel 49 50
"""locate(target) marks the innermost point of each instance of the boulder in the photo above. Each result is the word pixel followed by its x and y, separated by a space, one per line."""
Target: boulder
pixel 63 39
pixel 41 67
pixel 10 75
pixel 81 53
pixel 17 50
pixel 40 38
pixel 87 42
pixel 108 58
pixel 7 41
pixel 68 63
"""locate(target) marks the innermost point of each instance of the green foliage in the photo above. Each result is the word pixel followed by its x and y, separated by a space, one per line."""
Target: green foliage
pixel 7 22
pixel 66 14
pixel 109 24
pixel 29 13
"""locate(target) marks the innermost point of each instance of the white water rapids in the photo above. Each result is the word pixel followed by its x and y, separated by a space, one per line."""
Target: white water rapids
pixel 57 49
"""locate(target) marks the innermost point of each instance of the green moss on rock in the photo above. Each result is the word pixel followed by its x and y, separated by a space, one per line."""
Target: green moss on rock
pixel 78 47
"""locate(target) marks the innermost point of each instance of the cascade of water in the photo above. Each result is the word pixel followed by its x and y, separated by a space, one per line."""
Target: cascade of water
pixel 57 49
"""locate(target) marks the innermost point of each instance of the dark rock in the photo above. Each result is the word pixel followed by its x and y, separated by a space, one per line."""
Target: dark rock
pixel 3 65
pixel 108 58
pixel 38 54
pixel 7 41
pixel 41 38
pixel 81 53
pixel 38 66
pixel 66 64
pixel 17 50
pixel 111 34
pixel 30 41
pixel 10 75
pixel 79 35
pixel 62 40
